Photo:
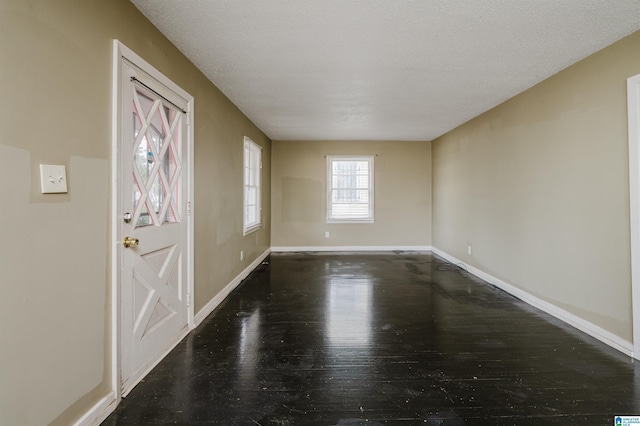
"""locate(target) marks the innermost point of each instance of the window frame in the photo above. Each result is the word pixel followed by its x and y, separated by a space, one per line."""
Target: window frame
pixel 331 217
pixel 252 152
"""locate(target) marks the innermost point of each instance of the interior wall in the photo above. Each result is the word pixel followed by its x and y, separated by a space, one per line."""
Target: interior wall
pixel 539 188
pixel 56 86
pixel 402 173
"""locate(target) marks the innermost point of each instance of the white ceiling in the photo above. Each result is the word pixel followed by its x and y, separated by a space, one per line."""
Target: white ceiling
pixel 382 69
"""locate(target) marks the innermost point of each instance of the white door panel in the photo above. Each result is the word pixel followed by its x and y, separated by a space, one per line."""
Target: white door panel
pixel 153 188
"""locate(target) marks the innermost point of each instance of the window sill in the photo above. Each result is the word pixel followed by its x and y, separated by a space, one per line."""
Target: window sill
pixel 350 221
pixel 252 229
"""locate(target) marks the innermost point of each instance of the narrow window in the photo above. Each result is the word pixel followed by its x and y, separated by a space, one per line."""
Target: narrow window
pixel 252 185
pixel 350 189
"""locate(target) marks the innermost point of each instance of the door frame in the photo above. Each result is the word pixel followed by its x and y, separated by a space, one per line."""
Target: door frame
pixel 121 53
pixel 633 110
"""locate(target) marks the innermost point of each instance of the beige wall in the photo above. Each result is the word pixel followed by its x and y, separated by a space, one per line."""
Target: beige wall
pixel 402 172
pixel 539 187
pixel 56 82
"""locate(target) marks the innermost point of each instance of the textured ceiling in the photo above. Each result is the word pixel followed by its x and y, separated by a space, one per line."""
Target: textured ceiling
pixel 382 69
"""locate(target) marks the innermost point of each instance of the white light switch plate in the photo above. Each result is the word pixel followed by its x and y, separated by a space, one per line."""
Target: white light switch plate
pixel 53 179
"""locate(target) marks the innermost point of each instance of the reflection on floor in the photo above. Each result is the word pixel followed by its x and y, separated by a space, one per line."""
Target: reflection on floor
pixel 395 338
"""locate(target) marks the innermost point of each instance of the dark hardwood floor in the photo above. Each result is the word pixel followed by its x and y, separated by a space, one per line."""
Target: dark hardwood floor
pixel 369 339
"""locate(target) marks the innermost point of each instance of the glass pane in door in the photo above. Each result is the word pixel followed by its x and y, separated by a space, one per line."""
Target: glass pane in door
pixel 156 161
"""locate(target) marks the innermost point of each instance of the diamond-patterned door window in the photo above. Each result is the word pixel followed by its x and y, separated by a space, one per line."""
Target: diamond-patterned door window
pixel 156 161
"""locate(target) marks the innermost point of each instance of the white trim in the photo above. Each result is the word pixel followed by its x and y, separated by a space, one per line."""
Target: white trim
pixel 99 412
pixel 633 110
pixel 190 209
pixel 226 291
pixel 371 214
pixel 581 324
pixel 115 293
pixel 250 150
pixel 348 248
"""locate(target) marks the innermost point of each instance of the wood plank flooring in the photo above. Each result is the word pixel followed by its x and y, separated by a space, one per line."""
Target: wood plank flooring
pixel 386 338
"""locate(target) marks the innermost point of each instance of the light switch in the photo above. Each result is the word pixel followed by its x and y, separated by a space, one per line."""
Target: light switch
pixel 53 179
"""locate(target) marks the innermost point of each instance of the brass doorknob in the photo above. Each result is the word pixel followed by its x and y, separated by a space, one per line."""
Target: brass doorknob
pixel 130 242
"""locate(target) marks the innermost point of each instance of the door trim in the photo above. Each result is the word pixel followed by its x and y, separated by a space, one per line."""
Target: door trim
pixel 121 53
pixel 633 109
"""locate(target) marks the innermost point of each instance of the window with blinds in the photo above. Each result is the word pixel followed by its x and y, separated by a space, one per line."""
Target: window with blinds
pixel 252 185
pixel 350 189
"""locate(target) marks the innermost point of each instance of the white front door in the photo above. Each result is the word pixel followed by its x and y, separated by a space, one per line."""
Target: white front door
pixel 153 222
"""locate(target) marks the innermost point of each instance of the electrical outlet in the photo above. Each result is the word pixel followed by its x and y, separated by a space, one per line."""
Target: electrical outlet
pixel 327 234
pixel 53 179
pixel 241 254
pixel 469 249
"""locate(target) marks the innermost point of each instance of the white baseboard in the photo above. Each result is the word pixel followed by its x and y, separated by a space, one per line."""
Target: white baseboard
pixel 348 248
pixel 99 412
pixel 581 324
pixel 218 298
